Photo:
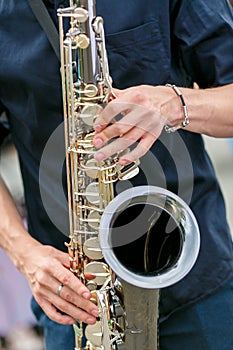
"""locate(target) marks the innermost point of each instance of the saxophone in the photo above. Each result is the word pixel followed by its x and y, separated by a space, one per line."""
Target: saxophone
pixel 129 269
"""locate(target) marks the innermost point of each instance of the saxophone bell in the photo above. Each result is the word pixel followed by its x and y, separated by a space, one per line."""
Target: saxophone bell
pixel 149 237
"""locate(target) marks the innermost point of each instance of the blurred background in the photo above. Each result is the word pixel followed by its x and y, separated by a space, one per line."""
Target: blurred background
pixel 221 154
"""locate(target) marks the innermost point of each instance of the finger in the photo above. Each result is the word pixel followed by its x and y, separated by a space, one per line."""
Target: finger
pixel 45 280
pixel 140 150
pixel 53 313
pixel 108 114
pixel 67 278
pixel 119 144
pixel 48 288
pixel 64 259
pixel 111 132
pixel 140 117
pixel 67 294
pixel 72 305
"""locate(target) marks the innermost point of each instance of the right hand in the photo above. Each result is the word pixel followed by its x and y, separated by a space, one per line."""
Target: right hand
pixel 46 268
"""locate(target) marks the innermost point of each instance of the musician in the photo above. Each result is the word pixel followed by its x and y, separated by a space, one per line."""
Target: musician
pixel 149 44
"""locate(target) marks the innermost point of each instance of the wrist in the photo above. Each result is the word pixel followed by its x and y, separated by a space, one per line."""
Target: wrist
pixel 17 244
pixel 181 113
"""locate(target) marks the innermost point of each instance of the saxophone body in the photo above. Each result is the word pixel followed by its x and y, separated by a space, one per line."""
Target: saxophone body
pixel 128 272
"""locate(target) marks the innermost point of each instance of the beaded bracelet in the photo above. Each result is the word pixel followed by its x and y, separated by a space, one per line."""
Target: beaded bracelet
pixel 185 122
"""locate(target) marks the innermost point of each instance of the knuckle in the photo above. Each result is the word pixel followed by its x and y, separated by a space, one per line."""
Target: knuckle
pixel 139 98
pixel 119 128
pixel 111 108
pixel 51 250
pixel 41 277
pixel 67 296
pixel 66 280
pixel 36 288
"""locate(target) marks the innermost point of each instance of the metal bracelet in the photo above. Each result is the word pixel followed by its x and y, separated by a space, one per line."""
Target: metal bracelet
pixel 185 122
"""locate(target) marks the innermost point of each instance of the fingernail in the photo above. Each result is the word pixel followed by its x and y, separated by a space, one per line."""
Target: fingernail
pixel 123 161
pixel 98 127
pixel 95 313
pixel 90 320
pixel 98 142
pixel 99 156
pixel 86 295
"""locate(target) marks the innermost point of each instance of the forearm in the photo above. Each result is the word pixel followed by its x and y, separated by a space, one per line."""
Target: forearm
pixel 14 238
pixel 210 110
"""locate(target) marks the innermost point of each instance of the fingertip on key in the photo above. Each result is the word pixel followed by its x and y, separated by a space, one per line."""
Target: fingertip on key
pixel 86 295
pixel 98 142
pixel 98 127
pixel 95 313
pixel 124 162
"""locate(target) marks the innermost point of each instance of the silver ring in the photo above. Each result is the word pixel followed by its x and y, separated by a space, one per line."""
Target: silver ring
pixel 59 289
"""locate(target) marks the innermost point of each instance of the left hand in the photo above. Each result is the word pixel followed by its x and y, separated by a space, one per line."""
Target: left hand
pixel 143 109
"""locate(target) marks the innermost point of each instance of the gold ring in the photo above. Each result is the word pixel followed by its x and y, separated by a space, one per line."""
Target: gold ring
pixel 59 289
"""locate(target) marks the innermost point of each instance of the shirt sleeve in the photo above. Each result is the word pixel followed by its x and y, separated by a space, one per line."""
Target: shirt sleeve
pixel 203 31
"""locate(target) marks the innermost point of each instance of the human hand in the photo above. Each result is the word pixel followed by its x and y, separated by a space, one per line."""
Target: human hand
pixel 46 268
pixel 145 110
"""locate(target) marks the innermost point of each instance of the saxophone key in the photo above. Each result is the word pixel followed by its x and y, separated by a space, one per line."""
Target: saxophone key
pixel 92 286
pixel 90 112
pixel 81 14
pixel 92 193
pixel 92 250
pixel 93 219
pixel 94 334
pixel 91 168
pixel 91 90
pixel 100 270
pixel 82 41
